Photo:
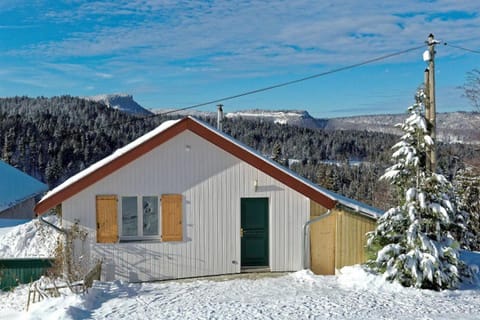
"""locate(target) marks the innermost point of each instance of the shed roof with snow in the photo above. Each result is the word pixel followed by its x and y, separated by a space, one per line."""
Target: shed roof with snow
pixel 16 186
pixel 170 129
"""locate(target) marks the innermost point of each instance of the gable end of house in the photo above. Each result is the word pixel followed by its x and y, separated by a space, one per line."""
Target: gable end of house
pixel 128 154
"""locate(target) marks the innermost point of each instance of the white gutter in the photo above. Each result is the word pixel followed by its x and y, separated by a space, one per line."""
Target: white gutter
pixel 306 233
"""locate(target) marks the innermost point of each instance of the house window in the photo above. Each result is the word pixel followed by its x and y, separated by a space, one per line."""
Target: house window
pixel 129 216
pixel 150 216
pixel 139 218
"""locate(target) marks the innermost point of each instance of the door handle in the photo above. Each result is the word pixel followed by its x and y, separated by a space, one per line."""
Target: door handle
pixel 241 232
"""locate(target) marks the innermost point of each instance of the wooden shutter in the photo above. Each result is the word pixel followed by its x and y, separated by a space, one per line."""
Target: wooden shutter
pixel 172 228
pixel 107 226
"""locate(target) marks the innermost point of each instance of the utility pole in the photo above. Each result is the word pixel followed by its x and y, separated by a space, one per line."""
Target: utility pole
pixel 220 117
pixel 428 160
pixel 430 108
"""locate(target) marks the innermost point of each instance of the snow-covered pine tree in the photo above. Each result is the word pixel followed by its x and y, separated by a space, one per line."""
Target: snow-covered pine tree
pixel 412 241
pixel 276 151
pixel 467 186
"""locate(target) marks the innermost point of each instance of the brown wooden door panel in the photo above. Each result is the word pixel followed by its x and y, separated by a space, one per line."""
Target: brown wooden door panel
pixel 107 225
pixel 172 213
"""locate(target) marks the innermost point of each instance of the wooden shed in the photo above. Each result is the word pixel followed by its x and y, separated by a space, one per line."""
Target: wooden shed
pixel 332 238
pixel 186 200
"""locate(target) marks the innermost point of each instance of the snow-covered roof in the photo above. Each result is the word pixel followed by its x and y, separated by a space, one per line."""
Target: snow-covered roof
pixel 352 204
pixel 105 161
pixel 17 186
pixel 169 129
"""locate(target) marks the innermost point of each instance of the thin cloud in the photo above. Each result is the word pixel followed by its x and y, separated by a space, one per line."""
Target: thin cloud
pixel 258 33
pixel 103 75
pixel 16 27
pixel 209 41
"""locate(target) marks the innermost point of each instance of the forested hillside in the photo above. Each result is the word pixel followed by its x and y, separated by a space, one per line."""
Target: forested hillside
pixel 345 161
pixel 54 138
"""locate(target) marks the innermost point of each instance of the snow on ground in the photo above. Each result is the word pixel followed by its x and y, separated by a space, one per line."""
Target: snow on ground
pixel 354 294
pixel 31 239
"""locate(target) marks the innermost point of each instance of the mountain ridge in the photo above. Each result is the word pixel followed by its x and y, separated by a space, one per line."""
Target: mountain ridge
pixel 121 101
pixel 453 127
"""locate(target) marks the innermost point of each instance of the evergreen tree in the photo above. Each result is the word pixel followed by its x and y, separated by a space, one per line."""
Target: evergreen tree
pixel 276 151
pixel 412 241
pixel 467 183
pixel 8 145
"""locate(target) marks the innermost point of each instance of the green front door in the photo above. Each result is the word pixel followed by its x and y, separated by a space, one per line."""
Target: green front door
pixel 254 233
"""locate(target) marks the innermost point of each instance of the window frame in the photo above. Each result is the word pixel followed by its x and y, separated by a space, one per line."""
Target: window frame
pixel 140 215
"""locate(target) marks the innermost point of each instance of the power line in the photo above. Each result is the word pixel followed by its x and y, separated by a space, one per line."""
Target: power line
pixel 301 79
pixel 461 48
pixel 283 84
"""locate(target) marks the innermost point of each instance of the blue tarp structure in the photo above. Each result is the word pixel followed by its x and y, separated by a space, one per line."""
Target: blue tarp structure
pixel 17 186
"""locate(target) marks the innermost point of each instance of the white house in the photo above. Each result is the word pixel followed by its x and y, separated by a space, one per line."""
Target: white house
pixel 186 200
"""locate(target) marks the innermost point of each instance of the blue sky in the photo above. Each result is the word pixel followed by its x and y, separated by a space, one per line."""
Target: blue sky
pixel 172 54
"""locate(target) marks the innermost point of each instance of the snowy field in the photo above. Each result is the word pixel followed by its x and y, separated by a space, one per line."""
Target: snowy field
pixel 353 294
pixel 300 295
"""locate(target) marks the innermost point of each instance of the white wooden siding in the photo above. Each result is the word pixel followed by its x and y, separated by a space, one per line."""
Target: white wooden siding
pixel 212 182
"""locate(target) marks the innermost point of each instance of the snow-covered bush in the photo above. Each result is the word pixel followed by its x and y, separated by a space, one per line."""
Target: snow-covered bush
pixel 412 241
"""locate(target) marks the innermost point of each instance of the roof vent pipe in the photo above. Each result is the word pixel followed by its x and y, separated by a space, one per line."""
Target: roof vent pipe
pixel 220 117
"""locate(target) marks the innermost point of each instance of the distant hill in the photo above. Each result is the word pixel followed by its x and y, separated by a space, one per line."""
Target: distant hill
pixel 461 127
pixel 189 112
pixel 53 138
pixel 299 118
pixel 122 102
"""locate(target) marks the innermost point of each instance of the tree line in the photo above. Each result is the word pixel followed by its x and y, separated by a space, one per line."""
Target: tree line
pixel 53 138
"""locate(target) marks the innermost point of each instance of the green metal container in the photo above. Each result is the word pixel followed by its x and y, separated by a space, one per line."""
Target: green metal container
pixel 22 270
